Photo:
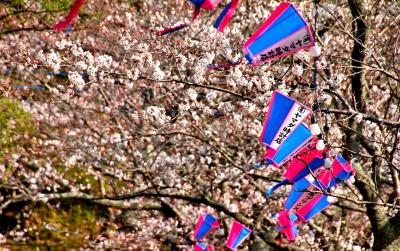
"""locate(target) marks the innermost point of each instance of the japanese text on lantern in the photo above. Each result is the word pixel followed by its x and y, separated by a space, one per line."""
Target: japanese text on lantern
pixel 289 127
pixel 293 46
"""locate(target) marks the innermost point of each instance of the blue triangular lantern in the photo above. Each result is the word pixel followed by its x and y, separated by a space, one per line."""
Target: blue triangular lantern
pixel 283 33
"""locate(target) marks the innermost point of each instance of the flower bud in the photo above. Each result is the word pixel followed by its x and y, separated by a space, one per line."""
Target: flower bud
pixel 331 199
pixel 352 179
pixel 315 130
pixel 327 163
pixel 315 51
pixel 320 145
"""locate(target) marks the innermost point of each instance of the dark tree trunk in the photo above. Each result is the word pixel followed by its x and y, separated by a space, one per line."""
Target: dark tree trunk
pixel 386 231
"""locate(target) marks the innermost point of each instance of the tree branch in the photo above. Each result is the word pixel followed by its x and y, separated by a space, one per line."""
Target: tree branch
pixel 395 124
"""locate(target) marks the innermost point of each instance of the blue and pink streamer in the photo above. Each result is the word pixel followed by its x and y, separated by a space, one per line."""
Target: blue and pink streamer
pixel 222 20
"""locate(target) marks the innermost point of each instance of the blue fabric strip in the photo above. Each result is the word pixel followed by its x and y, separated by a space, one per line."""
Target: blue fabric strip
pixel 273 188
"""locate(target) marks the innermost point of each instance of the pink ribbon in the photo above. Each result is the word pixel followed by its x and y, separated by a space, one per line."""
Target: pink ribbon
pixel 73 12
pixel 195 14
pixel 224 66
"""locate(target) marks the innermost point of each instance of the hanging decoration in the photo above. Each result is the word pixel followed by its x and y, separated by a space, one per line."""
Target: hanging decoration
pixel 308 159
pixel 284 133
pixel 288 224
pixel 207 223
pixel 74 11
pixel 283 33
pixel 204 226
pixel 221 22
pixel 237 235
pixel 201 246
pixel 288 147
pixel 311 171
pixel 310 195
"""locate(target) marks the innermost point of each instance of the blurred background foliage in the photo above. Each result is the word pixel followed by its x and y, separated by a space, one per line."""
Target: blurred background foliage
pixel 16 127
